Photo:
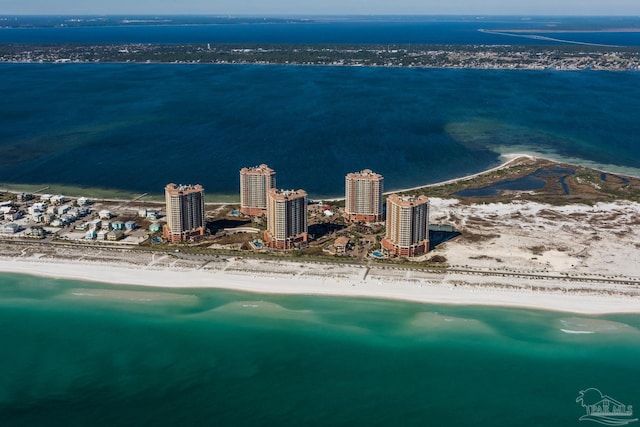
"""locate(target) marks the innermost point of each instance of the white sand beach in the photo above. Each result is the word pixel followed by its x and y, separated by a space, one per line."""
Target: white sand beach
pixel 285 277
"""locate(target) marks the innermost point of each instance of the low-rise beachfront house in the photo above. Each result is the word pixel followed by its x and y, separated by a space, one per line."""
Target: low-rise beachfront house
pixel 341 244
pixel 13 215
pixel 57 222
pixel 83 201
pixel 37 233
pixel 68 218
pixel 115 235
pixel 37 207
pixel 105 214
pixel 9 229
pixel 130 225
pixel 117 225
pixel 58 199
pixel 81 227
pixel 102 234
pixel 24 197
pixel 91 234
pixel 95 224
pixel 83 211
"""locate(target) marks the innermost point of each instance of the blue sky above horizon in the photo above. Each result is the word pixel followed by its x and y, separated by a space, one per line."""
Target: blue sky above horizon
pixel 325 7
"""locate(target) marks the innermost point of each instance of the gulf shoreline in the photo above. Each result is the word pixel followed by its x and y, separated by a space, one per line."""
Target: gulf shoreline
pixel 287 278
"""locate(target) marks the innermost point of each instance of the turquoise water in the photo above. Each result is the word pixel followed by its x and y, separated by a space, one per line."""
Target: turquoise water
pixel 138 127
pixel 78 354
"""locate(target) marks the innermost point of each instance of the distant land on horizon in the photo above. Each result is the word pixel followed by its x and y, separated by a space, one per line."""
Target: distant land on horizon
pixel 568 22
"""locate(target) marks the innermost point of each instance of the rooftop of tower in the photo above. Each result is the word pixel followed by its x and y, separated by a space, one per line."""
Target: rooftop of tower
pixel 286 194
pixel 261 168
pixel 408 200
pixel 183 187
pixel 365 173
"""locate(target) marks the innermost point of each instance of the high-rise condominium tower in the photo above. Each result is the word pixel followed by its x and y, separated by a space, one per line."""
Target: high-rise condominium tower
pixel 254 184
pixel 185 212
pixel 363 196
pixel 407 225
pixel 286 218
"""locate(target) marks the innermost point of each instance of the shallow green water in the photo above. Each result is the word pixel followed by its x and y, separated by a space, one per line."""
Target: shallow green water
pixel 78 354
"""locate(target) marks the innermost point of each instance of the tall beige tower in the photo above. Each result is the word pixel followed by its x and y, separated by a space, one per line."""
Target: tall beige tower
pixel 185 212
pixel 363 196
pixel 254 184
pixel 286 218
pixel 407 225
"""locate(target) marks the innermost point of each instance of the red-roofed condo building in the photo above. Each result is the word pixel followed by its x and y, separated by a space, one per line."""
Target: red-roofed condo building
pixel 286 218
pixel 407 231
pixel 363 196
pixel 185 212
pixel 254 184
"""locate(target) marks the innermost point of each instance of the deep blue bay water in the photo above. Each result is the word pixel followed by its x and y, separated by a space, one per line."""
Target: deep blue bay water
pixel 318 29
pixel 529 182
pixel 139 126
pixel 299 32
pixel 77 354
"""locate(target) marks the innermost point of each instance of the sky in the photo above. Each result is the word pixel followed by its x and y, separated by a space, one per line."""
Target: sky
pixel 323 7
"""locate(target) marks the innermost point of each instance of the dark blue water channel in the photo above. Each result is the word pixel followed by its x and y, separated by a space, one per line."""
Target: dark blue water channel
pixel 531 182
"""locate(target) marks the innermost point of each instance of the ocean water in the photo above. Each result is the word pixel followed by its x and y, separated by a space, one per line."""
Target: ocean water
pixel 138 127
pixel 77 354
